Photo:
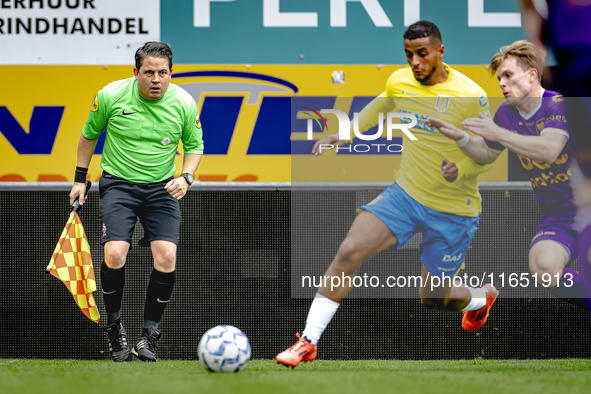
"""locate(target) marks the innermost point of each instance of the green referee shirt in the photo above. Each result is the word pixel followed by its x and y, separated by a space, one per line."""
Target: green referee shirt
pixel 143 136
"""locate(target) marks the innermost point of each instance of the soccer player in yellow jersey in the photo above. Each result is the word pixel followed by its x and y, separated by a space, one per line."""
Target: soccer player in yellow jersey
pixel 447 209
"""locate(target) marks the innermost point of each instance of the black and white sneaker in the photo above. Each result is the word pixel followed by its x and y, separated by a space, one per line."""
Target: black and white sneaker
pixel 118 342
pixel 145 348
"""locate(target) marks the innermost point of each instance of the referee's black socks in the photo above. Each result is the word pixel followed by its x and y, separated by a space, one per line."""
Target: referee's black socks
pixel 112 283
pixel 157 297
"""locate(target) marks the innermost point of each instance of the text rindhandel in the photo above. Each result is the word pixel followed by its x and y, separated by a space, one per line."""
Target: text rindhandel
pixel 345 130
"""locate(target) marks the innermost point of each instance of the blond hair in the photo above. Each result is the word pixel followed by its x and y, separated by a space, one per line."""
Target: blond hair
pixel 526 54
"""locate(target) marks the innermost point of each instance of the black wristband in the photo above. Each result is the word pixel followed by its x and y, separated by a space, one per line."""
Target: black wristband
pixel 80 176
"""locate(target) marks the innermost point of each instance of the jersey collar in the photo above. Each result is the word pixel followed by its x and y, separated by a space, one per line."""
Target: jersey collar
pixel 532 113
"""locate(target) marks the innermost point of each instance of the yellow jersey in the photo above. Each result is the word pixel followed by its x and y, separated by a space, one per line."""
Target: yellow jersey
pixel 419 175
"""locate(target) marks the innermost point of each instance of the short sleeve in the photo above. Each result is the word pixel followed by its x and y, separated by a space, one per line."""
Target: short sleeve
pixel 97 117
pixel 554 119
pixel 192 134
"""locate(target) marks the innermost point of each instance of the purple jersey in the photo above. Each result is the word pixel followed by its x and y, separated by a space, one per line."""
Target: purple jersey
pixel 568 28
pixel 549 180
pixel 568 33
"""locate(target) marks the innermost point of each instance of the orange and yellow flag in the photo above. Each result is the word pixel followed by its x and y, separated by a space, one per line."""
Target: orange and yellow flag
pixel 71 263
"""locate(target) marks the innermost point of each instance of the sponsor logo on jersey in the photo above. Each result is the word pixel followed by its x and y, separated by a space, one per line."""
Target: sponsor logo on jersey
pixel 197 122
pixel 165 141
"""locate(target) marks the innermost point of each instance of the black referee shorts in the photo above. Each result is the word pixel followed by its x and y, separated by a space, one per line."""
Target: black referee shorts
pixel 122 202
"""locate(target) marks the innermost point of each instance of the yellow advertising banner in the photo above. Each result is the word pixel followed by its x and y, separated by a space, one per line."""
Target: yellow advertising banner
pixel 246 114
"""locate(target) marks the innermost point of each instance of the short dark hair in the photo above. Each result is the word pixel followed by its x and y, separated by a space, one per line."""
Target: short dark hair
pixel 422 29
pixel 154 49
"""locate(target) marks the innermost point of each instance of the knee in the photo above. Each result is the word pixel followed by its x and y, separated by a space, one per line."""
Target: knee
pixel 165 261
pixel 350 256
pixel 546 264
pixel 115 257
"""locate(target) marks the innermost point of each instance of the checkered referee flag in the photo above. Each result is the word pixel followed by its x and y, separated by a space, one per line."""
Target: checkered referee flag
pixel 71 263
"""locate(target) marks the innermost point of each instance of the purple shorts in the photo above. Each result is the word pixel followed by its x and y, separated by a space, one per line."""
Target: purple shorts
pixel 558 229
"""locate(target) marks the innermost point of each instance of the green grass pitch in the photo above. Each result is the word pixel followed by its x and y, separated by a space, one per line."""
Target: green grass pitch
pixel 266 376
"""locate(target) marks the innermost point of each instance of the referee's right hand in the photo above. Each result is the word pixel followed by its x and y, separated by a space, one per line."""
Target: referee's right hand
pixel 78 191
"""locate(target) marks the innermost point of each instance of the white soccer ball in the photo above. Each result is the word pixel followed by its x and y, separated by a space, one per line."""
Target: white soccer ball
pixel 224 349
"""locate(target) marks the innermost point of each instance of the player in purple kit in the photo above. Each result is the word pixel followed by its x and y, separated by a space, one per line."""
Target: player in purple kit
pixel 564 26
pixel 532 124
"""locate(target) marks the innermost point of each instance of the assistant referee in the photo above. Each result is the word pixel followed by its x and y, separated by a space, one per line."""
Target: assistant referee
pixel 145 117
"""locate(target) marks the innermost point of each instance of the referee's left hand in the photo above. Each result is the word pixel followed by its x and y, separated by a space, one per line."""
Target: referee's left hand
pixel 177 188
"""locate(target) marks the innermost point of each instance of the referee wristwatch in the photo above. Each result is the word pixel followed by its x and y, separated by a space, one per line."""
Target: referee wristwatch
pixel 188 177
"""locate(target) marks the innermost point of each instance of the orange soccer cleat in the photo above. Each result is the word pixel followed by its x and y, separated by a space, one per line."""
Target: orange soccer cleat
pixel 302 350
pixel 473 320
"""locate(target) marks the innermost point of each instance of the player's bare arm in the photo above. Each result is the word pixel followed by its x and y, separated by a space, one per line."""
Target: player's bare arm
pixel 533 23
pixel 475 147
pixel 85 152
pixel 366 119
pixel 331 139
pixel 178 187
pixel 547 146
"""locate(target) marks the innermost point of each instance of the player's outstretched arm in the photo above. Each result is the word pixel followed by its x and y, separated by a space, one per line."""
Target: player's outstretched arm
pixel 366 119
pixel 546 147
pixel 534 23
pixel 85 152
pixel 473 146
pixel 329 142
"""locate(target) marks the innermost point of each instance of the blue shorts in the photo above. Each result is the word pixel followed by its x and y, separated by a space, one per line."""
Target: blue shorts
pixel 446 237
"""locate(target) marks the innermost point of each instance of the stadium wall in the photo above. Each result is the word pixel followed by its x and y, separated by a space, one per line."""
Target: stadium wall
pixel 242 58
pixel 235 267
